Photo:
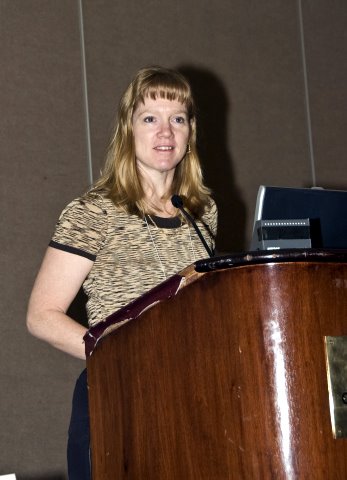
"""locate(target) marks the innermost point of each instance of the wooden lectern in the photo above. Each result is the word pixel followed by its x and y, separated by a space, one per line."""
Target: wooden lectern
pixel 221 373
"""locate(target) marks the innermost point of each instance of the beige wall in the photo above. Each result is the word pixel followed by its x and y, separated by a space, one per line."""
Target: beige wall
pixel 244 60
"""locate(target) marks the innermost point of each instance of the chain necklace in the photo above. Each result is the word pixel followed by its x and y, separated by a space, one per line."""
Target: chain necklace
pixel 193 253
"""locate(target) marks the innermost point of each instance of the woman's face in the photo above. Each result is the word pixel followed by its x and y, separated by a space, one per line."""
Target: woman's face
pixel 161 133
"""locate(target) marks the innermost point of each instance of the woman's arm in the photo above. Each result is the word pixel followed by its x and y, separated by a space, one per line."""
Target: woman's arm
pixel 58 281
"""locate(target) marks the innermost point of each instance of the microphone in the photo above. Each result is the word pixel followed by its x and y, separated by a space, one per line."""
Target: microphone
pixel 177 202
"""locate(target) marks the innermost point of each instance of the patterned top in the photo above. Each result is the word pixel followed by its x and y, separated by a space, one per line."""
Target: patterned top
pixel 131 255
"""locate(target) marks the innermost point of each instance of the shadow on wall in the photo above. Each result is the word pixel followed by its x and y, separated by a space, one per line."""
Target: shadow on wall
pixel 213 108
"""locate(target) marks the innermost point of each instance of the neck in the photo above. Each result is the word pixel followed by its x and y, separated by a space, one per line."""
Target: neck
pixel 162 207
pixel 158 197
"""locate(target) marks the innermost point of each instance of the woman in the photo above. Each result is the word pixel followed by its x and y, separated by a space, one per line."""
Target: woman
pixel 125 236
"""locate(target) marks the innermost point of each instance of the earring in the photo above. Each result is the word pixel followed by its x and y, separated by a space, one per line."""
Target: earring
pixel 188 149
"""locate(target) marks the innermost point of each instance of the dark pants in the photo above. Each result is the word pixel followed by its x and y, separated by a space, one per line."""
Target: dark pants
pixel 78 447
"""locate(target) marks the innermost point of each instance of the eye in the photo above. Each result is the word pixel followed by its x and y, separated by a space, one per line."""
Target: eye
pixel 179 119
pixel 149 119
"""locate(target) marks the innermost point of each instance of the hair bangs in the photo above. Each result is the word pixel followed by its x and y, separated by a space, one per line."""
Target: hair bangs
pixel 169 88
pixel 168 92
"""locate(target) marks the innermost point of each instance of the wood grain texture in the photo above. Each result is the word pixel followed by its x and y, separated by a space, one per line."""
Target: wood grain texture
pixel 225 381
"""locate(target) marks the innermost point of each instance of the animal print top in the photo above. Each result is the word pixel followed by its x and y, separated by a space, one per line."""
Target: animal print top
pixel 131 255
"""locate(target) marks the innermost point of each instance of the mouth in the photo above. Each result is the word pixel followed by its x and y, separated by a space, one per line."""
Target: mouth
pixel 164 148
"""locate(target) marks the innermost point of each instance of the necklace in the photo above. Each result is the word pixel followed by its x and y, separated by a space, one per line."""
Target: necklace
pixel 155 247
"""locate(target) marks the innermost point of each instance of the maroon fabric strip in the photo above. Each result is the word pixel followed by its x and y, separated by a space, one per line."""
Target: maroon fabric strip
pixel 161 292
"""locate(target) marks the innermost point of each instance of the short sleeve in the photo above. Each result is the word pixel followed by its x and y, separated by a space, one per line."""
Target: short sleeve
pixel 81 228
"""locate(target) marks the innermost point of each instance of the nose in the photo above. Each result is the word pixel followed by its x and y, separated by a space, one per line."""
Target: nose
pixel 165 129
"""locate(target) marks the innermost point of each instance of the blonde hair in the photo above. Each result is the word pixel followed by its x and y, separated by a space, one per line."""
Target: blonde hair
pixel 120 180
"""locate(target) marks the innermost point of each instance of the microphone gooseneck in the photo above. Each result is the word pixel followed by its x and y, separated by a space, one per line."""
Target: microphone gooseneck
pixel 177 202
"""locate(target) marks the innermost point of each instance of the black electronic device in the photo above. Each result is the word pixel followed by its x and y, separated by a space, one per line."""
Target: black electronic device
pixel 324 210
